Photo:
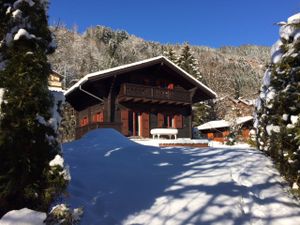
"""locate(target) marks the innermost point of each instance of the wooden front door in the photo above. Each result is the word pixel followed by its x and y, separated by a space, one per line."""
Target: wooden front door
pixel 134 123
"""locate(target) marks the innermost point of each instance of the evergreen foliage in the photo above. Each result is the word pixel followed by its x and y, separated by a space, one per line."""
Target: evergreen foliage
pixel 278 107
pixel 234 132
pixel 81 53
pixel 27 132
pixel 170 54
pixel 188 62
pixel 203 112
pixel 68 124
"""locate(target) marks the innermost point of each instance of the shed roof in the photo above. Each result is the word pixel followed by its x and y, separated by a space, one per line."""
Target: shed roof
pixel 223 123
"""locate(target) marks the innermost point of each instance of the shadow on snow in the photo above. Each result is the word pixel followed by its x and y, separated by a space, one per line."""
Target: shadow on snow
pixel 115 180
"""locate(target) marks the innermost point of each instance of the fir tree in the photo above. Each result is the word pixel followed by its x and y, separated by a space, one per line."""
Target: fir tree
pixel 278 108
pixel 68 124
pixel 188 62
pixel 27 129
pixel 204 112
pixel 170 54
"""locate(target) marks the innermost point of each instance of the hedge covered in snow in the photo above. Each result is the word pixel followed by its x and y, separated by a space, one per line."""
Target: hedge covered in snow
pixel 278 107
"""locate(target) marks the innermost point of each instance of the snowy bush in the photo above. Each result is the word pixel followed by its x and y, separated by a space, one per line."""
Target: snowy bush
pixel 231 139
pixel 63 215
pixel 278 107
pixel 23 216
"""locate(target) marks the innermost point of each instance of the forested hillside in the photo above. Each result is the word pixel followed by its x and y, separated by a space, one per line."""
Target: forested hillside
pixel 227 70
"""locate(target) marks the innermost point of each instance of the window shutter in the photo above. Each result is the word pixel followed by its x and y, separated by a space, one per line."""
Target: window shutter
pixel 171 86
pixel 98 117
pixel 160 120
pixel 178 121
pixel 145 125
pixel 124 120
pixel 84 121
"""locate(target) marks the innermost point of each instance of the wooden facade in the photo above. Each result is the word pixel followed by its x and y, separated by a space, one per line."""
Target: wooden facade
pixel 136 98
pixel 55 80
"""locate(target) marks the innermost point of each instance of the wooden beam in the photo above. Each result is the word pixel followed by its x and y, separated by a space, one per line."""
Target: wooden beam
pixel 136 99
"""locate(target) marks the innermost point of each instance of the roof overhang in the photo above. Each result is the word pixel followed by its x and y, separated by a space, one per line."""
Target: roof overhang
pixel 140 65
pixel 215 124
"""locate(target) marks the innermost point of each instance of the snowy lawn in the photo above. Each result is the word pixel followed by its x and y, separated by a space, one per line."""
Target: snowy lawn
pixel 118 181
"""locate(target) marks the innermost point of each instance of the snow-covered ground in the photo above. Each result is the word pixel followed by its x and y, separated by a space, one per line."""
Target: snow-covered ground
pixel 118 181
pixel 23 217
pixel 156 142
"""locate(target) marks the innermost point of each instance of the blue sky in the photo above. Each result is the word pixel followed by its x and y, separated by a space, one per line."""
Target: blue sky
pixel 213 23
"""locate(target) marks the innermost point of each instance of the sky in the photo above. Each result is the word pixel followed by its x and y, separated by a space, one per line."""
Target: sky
pixel 213 23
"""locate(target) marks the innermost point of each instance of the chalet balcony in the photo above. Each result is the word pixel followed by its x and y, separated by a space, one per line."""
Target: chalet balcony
pixel 148 94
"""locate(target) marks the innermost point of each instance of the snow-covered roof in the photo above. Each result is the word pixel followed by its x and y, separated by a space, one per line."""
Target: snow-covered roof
pixel 223 123
pixel 214 124
pixel 247 101
pixel 128 67
pixel 243 119
pixel 57 89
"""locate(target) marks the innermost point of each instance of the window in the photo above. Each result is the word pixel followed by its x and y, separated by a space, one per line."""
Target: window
pixel 84 121
pixel 218 134
pixel 134 123
pixel 162 83
pixel 98 117
pixel 165 120
pixel 171 86
pixel 203 135
pixel 168 121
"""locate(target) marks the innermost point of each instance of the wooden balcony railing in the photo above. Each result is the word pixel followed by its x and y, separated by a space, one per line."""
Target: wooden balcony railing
pixel 156 94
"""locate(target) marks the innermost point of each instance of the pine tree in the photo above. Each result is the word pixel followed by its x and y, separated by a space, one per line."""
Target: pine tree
pixel 27 128
pixel 188 62
pixel 170 54
pixel 278 107
pixel 204 112
pixel 68 124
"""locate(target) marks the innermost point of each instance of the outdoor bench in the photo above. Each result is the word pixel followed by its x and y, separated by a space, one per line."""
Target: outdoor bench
pixel 157 132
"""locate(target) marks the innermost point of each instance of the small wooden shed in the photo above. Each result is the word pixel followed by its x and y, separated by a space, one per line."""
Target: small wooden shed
pixel 218 130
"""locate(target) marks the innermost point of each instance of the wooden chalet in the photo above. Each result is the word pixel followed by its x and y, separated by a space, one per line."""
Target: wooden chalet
pixel 137 97
pixel 218 130
pixel 55 80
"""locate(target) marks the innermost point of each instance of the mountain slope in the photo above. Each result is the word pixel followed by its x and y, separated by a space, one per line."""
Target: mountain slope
pixel 101 47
